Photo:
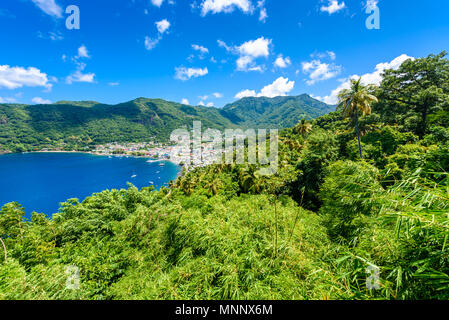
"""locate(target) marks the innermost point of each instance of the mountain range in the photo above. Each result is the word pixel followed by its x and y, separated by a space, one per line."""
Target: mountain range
pixel 87 122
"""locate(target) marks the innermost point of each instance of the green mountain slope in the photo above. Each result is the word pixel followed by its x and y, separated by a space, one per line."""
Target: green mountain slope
pixel 278 112
pixel 90 122
pixel 78 124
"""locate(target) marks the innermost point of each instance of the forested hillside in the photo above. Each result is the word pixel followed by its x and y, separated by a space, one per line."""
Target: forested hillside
pixel 77 125
pixel 278 112
pixel 361 192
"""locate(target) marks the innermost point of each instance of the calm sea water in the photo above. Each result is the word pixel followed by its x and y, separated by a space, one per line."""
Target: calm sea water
pixel 40 181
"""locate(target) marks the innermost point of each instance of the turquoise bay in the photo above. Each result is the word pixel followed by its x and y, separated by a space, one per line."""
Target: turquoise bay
pixel 41 181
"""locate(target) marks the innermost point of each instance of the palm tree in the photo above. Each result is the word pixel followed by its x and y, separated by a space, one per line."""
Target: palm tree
pixel 357 99
pixel 4 248
pixel 214 186
pixel 250 181
pixel 303 127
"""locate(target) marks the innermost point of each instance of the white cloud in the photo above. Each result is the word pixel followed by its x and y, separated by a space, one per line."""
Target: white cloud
pixel 332 55
pixel 210 104
pixel 185 74
pixel 280 87
pixel 151 43
pixel 248 52
pixel 114 84
pixel 185 101
pixel 162 26
pixel 368 78
pixel 246 93
pixel 49 7
pixel 218 95
pixel 82 52
pixel 226 6
pixel 39 100
pixel 18 77
pixel 255 48
pixel 199 48
pixel 371 4
pixel 282 62
pixel 320 71
pixel 7 100
pixel 79 76
pixel 263 11
pixel 157 3
pixel 333 6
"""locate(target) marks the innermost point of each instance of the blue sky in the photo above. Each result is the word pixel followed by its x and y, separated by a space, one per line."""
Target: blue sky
pixel 207 52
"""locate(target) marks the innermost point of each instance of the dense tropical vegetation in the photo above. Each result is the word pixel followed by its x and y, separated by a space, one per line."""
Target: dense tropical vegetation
pixel 82 125
pixel 309 232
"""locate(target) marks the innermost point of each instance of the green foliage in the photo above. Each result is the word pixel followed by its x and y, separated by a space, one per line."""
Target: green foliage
pixel 350 191
pixel 416 91
pixel 278 112
pixel 227 232
pixel 79 125
pixel 321 149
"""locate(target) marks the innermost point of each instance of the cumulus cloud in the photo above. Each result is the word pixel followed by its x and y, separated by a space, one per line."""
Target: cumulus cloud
pixel 157 3
pixel 78 75
pixel 320 71
pixel 333 6
pixel 218 95
pixel 18 77
pixel 185 74
pixel 368 78
pixel 226 6
pixel 282 62
pixel 185 101
pixel 248 52
pixel 162 26
pixel 82 52
pixel 50 7
pixel 39 100
pixel 280 87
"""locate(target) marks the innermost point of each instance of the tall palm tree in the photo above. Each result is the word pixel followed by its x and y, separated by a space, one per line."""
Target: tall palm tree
pixel 303 127
pixel 355 100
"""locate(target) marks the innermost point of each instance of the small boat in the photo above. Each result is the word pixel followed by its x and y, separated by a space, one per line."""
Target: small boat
pixel 151 182
pixel 162 164
pixel 133 176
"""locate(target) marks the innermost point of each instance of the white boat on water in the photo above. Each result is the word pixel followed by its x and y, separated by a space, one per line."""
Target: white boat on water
pixel 133 176
pixel 151 182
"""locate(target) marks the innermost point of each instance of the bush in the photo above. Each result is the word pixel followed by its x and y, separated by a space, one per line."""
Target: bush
pixel 348 193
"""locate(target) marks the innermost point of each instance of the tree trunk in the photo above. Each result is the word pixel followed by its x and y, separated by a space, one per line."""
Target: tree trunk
pixel 4 248
pixel 423 125
pixel 358 131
